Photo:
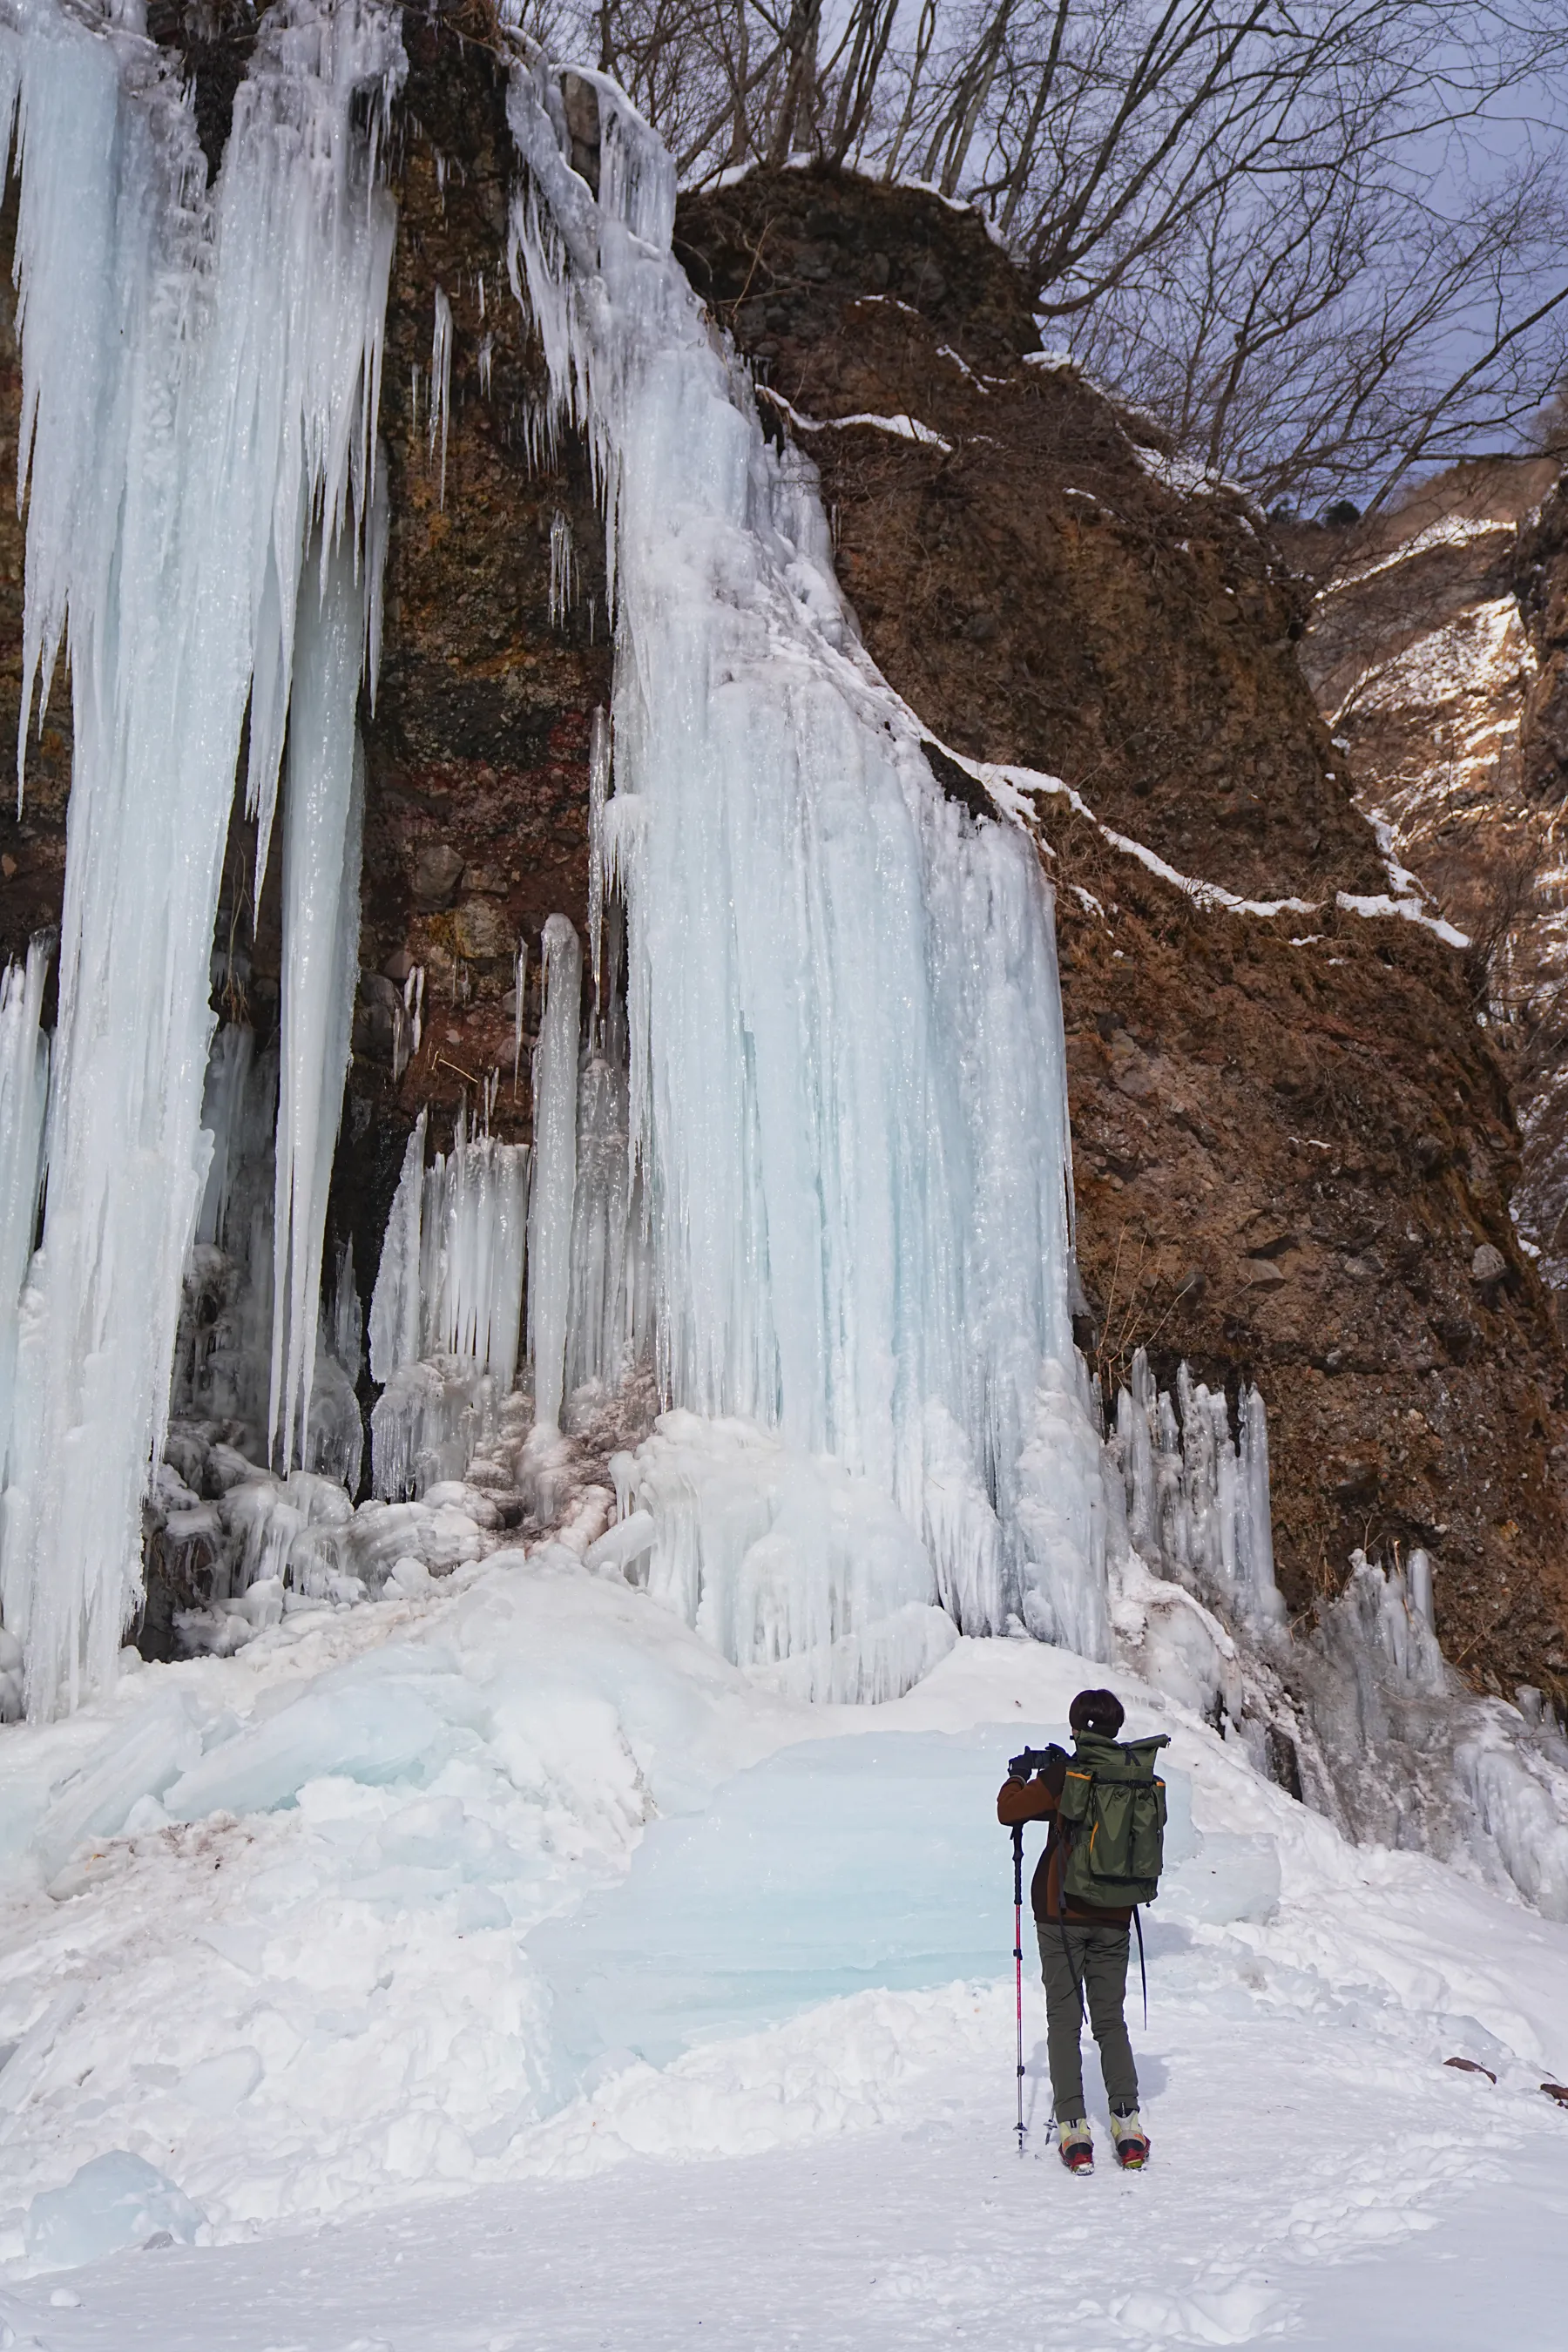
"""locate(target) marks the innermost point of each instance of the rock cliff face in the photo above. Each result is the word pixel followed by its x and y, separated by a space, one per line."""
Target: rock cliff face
pixel 1294 1146
pixel 1436 650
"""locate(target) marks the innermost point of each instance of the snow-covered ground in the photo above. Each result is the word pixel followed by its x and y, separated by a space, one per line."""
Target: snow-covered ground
pixel 541 1979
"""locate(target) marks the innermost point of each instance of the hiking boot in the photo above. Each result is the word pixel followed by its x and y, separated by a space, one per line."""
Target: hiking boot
pixel 1075 2145
pixel 1129 2141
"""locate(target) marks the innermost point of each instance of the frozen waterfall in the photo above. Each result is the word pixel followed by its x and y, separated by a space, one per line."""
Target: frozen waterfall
pixel 322 816
pixel 200 378
pixel 847 1103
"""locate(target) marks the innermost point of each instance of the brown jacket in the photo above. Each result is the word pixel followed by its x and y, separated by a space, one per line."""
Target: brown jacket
pixel 1037 1801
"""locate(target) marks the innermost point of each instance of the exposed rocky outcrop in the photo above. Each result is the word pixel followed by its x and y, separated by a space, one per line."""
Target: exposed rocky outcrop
pixel 1437 648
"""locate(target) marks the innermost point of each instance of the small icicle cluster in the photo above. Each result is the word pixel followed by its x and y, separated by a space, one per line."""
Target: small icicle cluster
pixel 1194 1499
pixel 446 1309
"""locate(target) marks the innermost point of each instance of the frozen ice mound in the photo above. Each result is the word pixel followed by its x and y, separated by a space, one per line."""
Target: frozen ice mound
pixel 837 1864
pixel 139 1759
pixel 398 1713
pixel 117 2200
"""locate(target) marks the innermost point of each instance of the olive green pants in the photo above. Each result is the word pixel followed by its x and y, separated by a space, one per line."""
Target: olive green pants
pixel 1091 1962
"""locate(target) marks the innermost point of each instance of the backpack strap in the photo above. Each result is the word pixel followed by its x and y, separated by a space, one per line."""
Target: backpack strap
pixel 1138 1923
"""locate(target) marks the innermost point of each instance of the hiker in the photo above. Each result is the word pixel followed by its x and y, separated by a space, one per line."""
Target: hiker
pixel 1084 1945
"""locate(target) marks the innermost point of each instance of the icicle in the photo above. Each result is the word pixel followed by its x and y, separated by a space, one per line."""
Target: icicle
pixel 396 1322
pixel 519 978
pixel 450 1280
pixel 199 376
pixel 598 794
pixel 224 1105
pixel 323 810
pixel 562 568
pixel 606 1233
pixel 24 1098
pixel 348 1316
pixel 1253 1518
pixel 482 295
pixel 487 356
pixel 441 381
pixel 414 1006
pixel 1420 1579
pixel 479 1210
pixel 555 1170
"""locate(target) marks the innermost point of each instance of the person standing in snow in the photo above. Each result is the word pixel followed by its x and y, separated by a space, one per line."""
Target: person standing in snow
pixel 1083 1956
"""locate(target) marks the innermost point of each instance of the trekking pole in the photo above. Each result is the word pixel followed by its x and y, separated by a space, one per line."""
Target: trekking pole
pixel 1018 1960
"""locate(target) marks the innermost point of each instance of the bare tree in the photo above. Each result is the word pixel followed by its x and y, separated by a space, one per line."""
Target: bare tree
pixel 1327 239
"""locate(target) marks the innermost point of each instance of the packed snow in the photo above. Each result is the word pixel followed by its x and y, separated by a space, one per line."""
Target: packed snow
pixel 521 1883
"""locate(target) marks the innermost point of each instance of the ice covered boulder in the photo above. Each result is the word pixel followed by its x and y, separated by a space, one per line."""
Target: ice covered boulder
pixel 117 2200
pixel 623 1550
pixel 396 1715
pixel 215 2086
pixel 323 1502
pixel 458 1495
pixel 261 1523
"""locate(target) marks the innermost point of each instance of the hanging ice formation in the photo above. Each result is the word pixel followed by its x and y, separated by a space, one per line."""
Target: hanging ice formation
pixel 847 1104
pixel 446 1309
pixel 323 808
pixel 1196 1499
pixel 24 1097
pixel 555 1167
pixel 200 377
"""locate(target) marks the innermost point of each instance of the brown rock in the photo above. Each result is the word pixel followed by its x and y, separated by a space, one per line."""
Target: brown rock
pixel 479 930
pixel 438 874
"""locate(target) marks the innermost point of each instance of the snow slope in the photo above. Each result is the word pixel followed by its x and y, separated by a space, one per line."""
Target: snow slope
pixel 586 1992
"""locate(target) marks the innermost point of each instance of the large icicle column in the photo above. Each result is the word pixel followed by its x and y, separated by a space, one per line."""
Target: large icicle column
pixel 848 1090
pixel 200 376
pixel 24 1097
pixel 323 809
pixel 555 1165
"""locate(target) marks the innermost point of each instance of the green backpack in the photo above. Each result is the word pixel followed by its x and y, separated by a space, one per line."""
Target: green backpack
pixel 1112 1811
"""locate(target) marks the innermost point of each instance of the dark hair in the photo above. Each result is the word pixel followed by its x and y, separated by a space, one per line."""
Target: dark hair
pixel 1097 1710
